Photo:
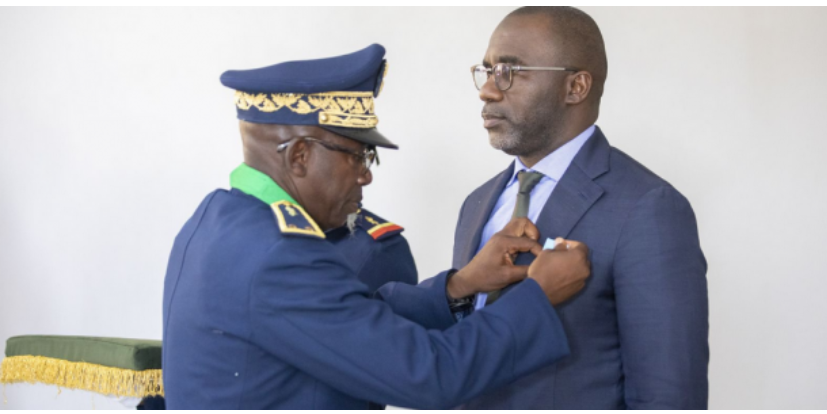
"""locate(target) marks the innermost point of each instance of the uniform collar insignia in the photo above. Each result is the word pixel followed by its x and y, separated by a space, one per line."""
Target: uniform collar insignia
pixel 290 216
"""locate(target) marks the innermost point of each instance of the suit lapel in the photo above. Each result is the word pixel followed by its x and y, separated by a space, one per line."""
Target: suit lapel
pixel 478 210
pixel 576 192
pixel 570 200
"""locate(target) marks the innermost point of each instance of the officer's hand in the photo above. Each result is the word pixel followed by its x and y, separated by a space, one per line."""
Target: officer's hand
pixel 521 227
pixel 561 272
pixel 492 268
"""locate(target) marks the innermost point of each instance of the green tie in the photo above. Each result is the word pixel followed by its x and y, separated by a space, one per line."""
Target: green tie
pixel 527 182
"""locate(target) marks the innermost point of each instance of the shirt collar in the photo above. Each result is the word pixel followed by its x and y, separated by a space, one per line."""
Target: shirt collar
pixel 258 184
pixel 555 164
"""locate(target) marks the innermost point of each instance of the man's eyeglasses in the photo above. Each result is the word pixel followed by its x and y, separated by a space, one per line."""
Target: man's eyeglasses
pixel 503 73
pixel 366 157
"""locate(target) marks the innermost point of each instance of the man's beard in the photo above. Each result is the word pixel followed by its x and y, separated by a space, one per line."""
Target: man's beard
pixel 351 222
pixel 528 136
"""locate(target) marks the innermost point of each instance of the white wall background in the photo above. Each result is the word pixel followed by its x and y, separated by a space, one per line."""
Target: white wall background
pixel 113 126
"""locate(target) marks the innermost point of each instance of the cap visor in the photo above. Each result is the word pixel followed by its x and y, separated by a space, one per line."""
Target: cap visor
pixel 366 136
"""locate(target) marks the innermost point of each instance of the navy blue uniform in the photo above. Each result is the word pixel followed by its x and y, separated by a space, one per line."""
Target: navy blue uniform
pixel 376 251
pixel 264 312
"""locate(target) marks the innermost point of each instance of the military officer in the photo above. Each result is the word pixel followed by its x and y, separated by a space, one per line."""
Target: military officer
pixel 262 311
pixel 376 252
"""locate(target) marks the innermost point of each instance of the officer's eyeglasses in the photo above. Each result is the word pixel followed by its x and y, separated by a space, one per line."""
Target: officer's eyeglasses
pixel 366 157
pixel 503 74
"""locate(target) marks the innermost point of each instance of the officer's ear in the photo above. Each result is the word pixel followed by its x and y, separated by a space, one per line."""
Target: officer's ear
pixel 298 157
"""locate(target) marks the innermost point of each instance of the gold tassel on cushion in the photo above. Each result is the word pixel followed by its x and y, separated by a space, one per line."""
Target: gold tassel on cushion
pixel 81 375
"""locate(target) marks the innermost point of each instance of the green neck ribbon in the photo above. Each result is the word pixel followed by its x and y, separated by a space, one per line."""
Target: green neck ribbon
pixel 258 184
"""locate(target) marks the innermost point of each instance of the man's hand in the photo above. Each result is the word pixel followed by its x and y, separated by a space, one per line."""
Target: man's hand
pixel 561 272
pixel 493 268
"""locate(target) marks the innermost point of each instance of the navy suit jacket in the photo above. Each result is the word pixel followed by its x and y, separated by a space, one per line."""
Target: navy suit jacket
pixel 638 330
pixel 257 315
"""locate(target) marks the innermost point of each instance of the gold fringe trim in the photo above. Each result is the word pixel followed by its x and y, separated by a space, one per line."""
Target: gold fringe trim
pixel 81 375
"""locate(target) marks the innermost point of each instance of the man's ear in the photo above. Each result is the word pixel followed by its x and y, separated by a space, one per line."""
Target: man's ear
pixel 579 86
pixel 298 157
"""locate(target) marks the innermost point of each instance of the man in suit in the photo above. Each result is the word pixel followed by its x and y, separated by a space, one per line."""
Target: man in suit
pixel 262 311
pixel 638 331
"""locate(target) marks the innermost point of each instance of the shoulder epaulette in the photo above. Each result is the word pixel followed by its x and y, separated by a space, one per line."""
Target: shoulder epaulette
pixel 376 226
pixel 293 219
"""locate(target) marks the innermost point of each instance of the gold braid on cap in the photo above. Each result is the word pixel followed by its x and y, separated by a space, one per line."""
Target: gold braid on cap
pixel 343 109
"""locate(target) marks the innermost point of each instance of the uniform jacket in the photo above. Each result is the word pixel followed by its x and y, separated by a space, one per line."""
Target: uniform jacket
pixel 376 251
pixel 263 312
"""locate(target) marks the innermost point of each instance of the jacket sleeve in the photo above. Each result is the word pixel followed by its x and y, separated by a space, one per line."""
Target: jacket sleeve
pixel 310 311
pixel 425 304
pixel 394 255
pixel 661 293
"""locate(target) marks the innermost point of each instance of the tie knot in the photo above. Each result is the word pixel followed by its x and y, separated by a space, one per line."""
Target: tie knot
pixel 528 180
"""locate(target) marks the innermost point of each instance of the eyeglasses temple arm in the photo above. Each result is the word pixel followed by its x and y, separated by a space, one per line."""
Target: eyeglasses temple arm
pixel 519 68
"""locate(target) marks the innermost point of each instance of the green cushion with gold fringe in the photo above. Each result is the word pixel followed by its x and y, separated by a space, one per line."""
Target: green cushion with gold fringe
pixel 115 366
pixel 134 354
